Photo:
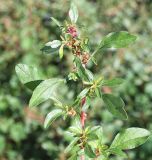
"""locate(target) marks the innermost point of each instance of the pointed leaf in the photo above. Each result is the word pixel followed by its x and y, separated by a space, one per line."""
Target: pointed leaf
pixel 71 145
pixel 89 152
pixel 61 51
pixel 118 152
pixel 44 91
pixel 73 13
pixel 52 116
pixel 130 138
pixel 28 75
pixel 56 21
pixel 115 105
pixel 49 49
pixel 53 44
pixel 117 40
pixel 112 82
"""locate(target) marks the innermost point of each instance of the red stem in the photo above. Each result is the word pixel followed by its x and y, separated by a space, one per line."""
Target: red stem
pixel 83 119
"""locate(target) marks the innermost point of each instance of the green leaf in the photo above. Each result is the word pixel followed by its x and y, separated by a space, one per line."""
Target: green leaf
pixel 117 40
pixel 83 93
pixel 89 152
pixel 53 44
pixel 76 130
pixel 71 145
pixel 73 157
pixel 49 49
pixel 28 75
pixel 115 105
pixel 73 13
pixel 118 152
pixel 56 21
pixel 89 74
pixel 44 91
pixel 81 70
pixel 61 51
pixel 130 138
pixel 112 82
pixel 98 92
pixel 52 116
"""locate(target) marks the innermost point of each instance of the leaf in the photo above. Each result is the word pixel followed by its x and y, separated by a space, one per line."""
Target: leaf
pixel 61 51
pixel 81 70
pixel 76 130
pixel 89 152
pixel 71 145
pixel 83 93
pixel 118 152
pixel 89 74
pixel 48 50
pixel 115 105
pixel 52 116
pixel 56 21
pixel 112 82
pixel 130 138
pixel 73 157
pixel 53 44
pixel 73 13
pixel 28 75
pixel 44 91
pixel 98 92
pixel 117 40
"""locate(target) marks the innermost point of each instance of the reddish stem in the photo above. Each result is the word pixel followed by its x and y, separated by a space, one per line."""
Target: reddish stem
pixel 83 119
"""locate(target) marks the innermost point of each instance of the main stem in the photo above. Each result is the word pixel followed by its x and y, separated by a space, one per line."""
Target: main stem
pixel 83 118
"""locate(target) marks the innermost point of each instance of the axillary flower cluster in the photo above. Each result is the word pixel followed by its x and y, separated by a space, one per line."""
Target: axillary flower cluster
pixel 73 42
pixel 87 142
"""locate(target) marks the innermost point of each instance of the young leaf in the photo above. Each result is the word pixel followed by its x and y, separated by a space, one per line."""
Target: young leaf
pixel 130 138
pixel 44 91
pixel 52 116
pixel 117 40
pixel 61 51
pixel 73 13
pixel 112 82
pixel 28 75
pixel 53 44
pixel 56 21
pixel 71 145
pixel 115 105
pixel 89 152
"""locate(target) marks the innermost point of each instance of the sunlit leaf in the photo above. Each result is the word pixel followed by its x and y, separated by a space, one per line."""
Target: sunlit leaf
pixel 28 75
pixel 130 138
pixel 44 91
pixel 73 13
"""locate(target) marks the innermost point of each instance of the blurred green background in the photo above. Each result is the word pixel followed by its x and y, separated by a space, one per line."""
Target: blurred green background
pixel 25 27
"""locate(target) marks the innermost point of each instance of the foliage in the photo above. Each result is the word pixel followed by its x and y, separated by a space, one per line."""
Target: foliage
pixel 86 141
pixel 25 26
